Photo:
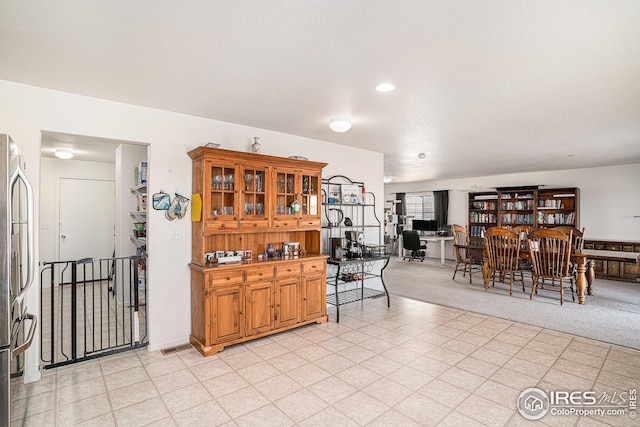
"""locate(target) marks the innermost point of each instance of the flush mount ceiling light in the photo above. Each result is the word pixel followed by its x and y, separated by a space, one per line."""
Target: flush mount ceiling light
pixel 63 154
pixel 422 156
pixel 385 87
pixel 340 124
pixel 387 179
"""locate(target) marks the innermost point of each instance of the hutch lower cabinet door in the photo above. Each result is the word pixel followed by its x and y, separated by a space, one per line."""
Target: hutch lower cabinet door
pixel 314 297
pixel 226 320
pixel 287 294
pixel 259 305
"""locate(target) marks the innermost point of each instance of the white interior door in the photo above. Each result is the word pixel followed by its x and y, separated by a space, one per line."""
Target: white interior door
pixel 87 221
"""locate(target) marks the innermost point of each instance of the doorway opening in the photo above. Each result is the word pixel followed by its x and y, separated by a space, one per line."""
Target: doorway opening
pixel 93 270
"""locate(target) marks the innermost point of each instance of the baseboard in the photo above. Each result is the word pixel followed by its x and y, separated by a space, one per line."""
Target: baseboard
pixel 167 344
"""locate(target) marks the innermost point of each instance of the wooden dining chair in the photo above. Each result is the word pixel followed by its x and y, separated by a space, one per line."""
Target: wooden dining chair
pixel 502 253
pixel 463 255
pixel 577 244
pixel 550 254
pixel 523 231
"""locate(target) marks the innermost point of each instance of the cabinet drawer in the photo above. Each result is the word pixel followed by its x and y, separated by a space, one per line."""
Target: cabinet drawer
pixel 259 273
pixel 254 224
pixel 288 270
pixel 310 223
pixel 312 267
pixel 285 223
pixel 221 225
pixel 225 277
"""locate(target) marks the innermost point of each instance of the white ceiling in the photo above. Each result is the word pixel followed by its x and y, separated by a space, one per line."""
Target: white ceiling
pixel 484 87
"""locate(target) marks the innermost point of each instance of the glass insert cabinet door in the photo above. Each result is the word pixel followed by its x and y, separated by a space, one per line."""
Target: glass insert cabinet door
pixel 286 193
pixel 309 194
pixel 222 192
pixel 254 184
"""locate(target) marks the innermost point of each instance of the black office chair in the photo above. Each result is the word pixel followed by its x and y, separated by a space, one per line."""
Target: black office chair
pixel 411 242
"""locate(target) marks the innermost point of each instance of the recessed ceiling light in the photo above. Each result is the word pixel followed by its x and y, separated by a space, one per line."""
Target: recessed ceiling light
pixel 422 156
pixel 63 154
pixel 387 179
pixel 340 124
pixel 385 87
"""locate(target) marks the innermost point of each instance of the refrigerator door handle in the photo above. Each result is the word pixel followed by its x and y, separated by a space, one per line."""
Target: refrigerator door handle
pixel 27 342
pixel 19 174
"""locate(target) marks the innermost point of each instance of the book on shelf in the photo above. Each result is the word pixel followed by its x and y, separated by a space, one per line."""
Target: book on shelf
pixel 486 197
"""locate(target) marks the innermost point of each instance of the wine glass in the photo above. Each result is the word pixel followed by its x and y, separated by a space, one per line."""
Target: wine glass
pixel 217 182
pixel 248 178
pixel 228 182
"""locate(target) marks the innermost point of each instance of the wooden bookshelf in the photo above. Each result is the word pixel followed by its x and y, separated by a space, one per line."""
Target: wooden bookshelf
pixel 546 207
pixel 483 213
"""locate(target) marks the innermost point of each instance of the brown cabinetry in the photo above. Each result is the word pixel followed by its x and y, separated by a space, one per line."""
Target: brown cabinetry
pixel 248 202
pixel 259 303
pixel 225 313
pixel 287 310
pixel 314 297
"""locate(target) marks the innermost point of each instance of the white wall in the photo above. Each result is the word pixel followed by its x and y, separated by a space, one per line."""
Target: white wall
pixel 51 171
pixel 27 110
pixel 609 196
pixel 127 157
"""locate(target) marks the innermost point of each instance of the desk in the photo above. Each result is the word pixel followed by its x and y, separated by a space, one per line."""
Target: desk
pixel 441 241
pixel 429 238
pixel 355 272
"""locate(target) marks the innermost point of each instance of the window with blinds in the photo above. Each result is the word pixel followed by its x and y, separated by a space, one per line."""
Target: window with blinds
pixel 419 206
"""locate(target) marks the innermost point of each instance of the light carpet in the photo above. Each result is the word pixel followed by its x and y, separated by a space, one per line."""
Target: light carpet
pixel 611 314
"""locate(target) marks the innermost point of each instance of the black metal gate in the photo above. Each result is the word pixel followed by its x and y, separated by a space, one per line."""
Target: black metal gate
pixel 96 310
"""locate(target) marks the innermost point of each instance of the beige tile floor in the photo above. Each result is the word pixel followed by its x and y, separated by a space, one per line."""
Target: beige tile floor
pixel 105 320
pixel 411 364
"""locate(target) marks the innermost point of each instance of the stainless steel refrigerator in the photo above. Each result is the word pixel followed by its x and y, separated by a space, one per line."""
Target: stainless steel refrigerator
pixel 17 268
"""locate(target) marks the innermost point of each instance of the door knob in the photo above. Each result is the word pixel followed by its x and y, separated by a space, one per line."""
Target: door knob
pixel 63 237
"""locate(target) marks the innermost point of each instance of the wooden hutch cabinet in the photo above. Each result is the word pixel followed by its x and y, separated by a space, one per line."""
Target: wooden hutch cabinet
pixel 248 202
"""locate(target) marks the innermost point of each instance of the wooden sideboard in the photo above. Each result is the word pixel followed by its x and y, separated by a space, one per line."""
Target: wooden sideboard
pixel 614 260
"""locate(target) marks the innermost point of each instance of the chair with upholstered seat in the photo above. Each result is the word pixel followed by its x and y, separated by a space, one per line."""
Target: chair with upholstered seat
pixel 464 258
pixel 412 244
pixel 550 253
pixel 502 253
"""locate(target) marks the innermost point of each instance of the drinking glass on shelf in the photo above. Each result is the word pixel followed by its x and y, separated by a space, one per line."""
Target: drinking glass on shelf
pixel 259 208
pixel 228 182
pixel 290 184
pixel 259 179
pixel 280 184
pixel 248 178
pixel 217 182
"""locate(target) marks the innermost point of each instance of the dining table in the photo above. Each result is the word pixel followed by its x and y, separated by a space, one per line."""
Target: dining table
pixel 585 272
